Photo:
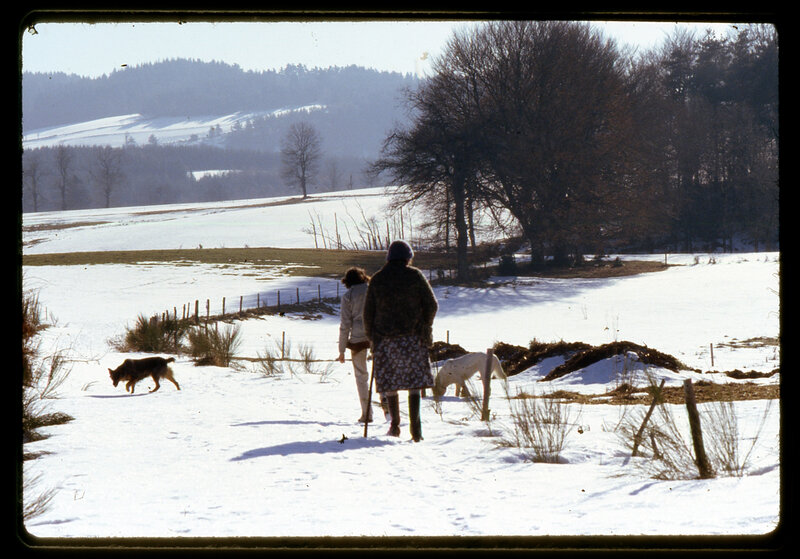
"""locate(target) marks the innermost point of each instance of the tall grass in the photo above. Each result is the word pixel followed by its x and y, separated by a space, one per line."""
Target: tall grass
pixel 725 440
pixel 279 360
pixel 212 346
pixel 540 426
pixel 667 444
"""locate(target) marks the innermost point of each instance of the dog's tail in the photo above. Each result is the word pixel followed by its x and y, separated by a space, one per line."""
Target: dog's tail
pixel 170 359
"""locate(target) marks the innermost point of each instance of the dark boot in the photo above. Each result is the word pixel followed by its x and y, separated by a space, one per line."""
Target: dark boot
pixel 393 403
pixel 385 408
pixel 414 421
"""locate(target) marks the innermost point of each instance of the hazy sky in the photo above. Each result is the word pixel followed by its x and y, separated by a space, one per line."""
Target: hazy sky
pixel 402 46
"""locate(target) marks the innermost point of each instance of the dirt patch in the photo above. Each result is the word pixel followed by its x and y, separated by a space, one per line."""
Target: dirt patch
pixel 761 341
pixel 60 226
pixel 704 391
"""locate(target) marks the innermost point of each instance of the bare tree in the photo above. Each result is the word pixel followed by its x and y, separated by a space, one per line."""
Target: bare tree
pixel 65 177
pixel 33 173
pixel 107 171
pixel 437 159
pixel 301 153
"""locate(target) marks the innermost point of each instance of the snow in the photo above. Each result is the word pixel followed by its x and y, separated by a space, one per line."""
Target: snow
pixel 236 453
pixel 115 131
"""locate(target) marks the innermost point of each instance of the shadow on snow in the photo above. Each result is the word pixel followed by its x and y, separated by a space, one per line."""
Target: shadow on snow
pixel 312 447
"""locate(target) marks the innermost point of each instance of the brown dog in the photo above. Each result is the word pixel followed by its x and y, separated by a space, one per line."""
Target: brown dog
pixel 134 370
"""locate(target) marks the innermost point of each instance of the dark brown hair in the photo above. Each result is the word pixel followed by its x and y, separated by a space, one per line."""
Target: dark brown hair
pixel 354 276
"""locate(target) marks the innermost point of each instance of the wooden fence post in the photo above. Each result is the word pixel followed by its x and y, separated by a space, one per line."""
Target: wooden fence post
pixel 223 305
pixel 487 384
pixel 196 311
pixel 703 466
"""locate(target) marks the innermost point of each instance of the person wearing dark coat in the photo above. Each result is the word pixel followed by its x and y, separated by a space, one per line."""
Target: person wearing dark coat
pixel 398 319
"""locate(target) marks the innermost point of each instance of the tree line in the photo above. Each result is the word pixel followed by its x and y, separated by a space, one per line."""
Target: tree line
pixel 360 104
pixel 588 148
pixel 78 177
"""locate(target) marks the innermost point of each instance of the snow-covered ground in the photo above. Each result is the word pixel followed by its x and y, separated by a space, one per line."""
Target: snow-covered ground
pixel 236 453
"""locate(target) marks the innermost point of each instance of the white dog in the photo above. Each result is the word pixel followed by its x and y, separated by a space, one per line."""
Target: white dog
pixel 459 369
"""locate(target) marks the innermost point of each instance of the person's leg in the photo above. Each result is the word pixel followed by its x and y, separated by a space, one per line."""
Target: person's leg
pixel 362 383
pixel 414 421
pixel 393 403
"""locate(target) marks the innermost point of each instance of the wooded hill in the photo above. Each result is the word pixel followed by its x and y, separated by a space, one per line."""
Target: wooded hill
pixel 359 107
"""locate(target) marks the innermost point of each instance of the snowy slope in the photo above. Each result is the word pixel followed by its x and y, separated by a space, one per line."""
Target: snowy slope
pixel 235 453
pixel 114 131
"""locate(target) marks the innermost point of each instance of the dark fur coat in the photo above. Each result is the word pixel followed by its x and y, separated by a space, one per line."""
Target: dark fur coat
pixel 399 302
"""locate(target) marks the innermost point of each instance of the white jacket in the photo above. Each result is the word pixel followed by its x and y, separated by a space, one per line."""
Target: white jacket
pixel 351 322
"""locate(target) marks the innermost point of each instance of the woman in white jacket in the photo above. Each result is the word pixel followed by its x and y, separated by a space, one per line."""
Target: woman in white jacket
pixel 352 336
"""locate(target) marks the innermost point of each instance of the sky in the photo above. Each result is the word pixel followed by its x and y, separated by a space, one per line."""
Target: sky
pixel 92 50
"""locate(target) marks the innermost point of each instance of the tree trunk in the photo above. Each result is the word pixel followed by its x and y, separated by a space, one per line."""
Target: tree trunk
pixel 459 201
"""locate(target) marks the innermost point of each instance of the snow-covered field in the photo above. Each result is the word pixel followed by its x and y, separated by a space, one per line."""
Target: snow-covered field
pixel 116 131
pixel 235 453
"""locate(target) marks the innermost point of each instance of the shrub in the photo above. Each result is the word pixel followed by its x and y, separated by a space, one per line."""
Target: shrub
pixel 41 376
pixel 210 346
pixel 152 335
pixel 540 426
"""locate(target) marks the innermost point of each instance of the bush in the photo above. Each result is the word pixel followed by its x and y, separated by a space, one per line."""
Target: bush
pixel 540 426
pixel 152 335
pixel 41 376
pixel 210 346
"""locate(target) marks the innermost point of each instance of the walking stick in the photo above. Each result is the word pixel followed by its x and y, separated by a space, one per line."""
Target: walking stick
pixel 369 397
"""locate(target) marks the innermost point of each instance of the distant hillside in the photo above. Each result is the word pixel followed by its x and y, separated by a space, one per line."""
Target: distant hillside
pixel 359 106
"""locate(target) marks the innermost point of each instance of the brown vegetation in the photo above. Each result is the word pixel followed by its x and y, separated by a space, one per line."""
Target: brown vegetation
pixel 578 355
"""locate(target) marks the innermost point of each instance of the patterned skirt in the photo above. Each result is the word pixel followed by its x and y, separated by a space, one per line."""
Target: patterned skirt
pixel 401 363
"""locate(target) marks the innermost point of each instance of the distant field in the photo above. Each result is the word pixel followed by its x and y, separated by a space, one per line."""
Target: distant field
pixel 301 262
pixel 311 262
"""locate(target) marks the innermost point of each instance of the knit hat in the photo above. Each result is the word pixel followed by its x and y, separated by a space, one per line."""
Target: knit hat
pixel 399 250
